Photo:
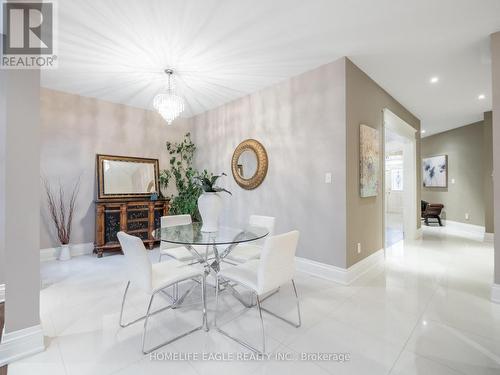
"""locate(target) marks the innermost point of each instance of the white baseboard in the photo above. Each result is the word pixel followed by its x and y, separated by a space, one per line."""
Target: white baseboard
pixel 78 249
pixel 2 293
pixel 340 275
pixel 19 344
pixel 489 237
pixel 470 228
pixel 495 293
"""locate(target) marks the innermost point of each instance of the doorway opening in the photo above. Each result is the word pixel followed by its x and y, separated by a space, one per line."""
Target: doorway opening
pixel 400 199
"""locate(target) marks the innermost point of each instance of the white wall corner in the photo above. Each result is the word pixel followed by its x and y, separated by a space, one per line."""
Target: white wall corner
pixel 337 274
pixel 78 249
pixel 2 293
pixel 495 293
pixel 489 237
pixel 22 343
pixel 419 233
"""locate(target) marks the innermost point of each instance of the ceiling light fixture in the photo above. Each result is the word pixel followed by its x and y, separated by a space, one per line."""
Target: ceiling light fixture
pixel 434 79
pixel 481 96
pixel 423 131
pixel 169 105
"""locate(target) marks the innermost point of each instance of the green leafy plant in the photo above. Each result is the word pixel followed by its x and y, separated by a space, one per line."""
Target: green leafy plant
pixel 207 182
pixel 182 172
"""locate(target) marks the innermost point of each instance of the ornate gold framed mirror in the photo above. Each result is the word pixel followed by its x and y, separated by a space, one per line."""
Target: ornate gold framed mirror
pixel 249 164
pixel 126 177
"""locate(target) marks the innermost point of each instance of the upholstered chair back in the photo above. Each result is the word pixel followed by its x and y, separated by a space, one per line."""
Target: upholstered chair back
pixel 138 264
pixel 264 222
pixel 277 261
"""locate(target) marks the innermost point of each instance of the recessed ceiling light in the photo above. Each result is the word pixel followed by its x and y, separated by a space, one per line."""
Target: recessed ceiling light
pixel 481 97
pixel 434 79
pixel 423 131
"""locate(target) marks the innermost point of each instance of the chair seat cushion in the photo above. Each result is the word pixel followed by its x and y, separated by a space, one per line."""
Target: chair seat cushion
pixel 244 274
pixel 182 254
pixel 171 272
pixel 245 252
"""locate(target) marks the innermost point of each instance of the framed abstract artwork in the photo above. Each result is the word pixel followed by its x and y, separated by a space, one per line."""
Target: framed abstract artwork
pixel 369 160
pixel 435 171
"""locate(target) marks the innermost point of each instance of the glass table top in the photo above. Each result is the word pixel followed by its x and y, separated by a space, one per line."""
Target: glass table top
pixel 191 234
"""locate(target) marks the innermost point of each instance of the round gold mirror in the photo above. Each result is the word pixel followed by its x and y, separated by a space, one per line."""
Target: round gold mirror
pixel 249 164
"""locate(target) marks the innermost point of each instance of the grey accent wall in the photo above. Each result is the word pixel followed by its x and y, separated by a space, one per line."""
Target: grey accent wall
pixel 301 123
pixel 464 147
pixel 365 101
pixel 22 165
pixel 74 129
pixel 488 172
pixel 495 72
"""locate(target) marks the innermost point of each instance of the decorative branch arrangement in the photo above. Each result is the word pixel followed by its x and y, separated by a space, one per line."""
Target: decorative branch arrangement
pixel 60 212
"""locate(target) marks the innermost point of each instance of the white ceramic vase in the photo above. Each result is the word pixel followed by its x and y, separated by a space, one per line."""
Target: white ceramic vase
pixel 210 207
pixel 65 253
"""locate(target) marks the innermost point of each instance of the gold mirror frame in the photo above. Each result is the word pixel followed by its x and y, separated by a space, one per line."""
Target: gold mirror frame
pixel 262 163
pixel 101 194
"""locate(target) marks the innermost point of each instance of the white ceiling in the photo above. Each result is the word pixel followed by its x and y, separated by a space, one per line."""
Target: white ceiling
pixel 224 49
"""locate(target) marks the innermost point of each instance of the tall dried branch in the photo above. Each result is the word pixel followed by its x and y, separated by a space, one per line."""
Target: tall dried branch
pixel 62 215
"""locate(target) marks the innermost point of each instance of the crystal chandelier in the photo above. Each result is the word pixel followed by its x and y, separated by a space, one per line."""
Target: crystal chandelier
pixel 169 105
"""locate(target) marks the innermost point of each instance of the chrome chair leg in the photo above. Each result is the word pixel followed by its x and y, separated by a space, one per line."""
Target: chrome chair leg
pixel 216 301
pixel 260 308
pixel 123 325
pixel 261 324
pixel 146 322
pixel 241 342
pixel 297 302
pixel 204 303
pixel 296 325
pixel 149 314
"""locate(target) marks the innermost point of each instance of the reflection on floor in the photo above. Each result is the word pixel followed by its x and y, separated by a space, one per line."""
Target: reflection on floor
pixel 393 228
pixel 426 310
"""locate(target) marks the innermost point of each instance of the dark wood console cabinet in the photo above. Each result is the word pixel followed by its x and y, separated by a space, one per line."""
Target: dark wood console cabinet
pixel 134 216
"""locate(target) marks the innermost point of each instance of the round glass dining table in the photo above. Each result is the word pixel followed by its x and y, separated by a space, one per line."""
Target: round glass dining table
pixel 198 243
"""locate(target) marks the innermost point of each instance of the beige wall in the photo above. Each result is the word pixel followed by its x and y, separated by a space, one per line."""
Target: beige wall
pixel 495 71
pixel 365 101
pixel 488 172
pixel 74 129
pixel 301 123
pixel 464 147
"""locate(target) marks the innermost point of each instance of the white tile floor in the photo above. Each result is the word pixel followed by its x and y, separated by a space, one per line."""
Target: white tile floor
pixel 425 311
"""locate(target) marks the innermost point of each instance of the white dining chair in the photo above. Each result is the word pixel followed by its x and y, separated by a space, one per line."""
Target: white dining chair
pixel 179 253
pixel 248 251
pixel 275 268
pixel 153 279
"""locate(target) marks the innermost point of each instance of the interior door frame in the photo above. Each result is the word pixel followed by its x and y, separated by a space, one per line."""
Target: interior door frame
pixel 399 126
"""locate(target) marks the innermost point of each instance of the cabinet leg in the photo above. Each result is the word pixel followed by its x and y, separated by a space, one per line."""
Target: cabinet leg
pixel 151 245
pixel 99 253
